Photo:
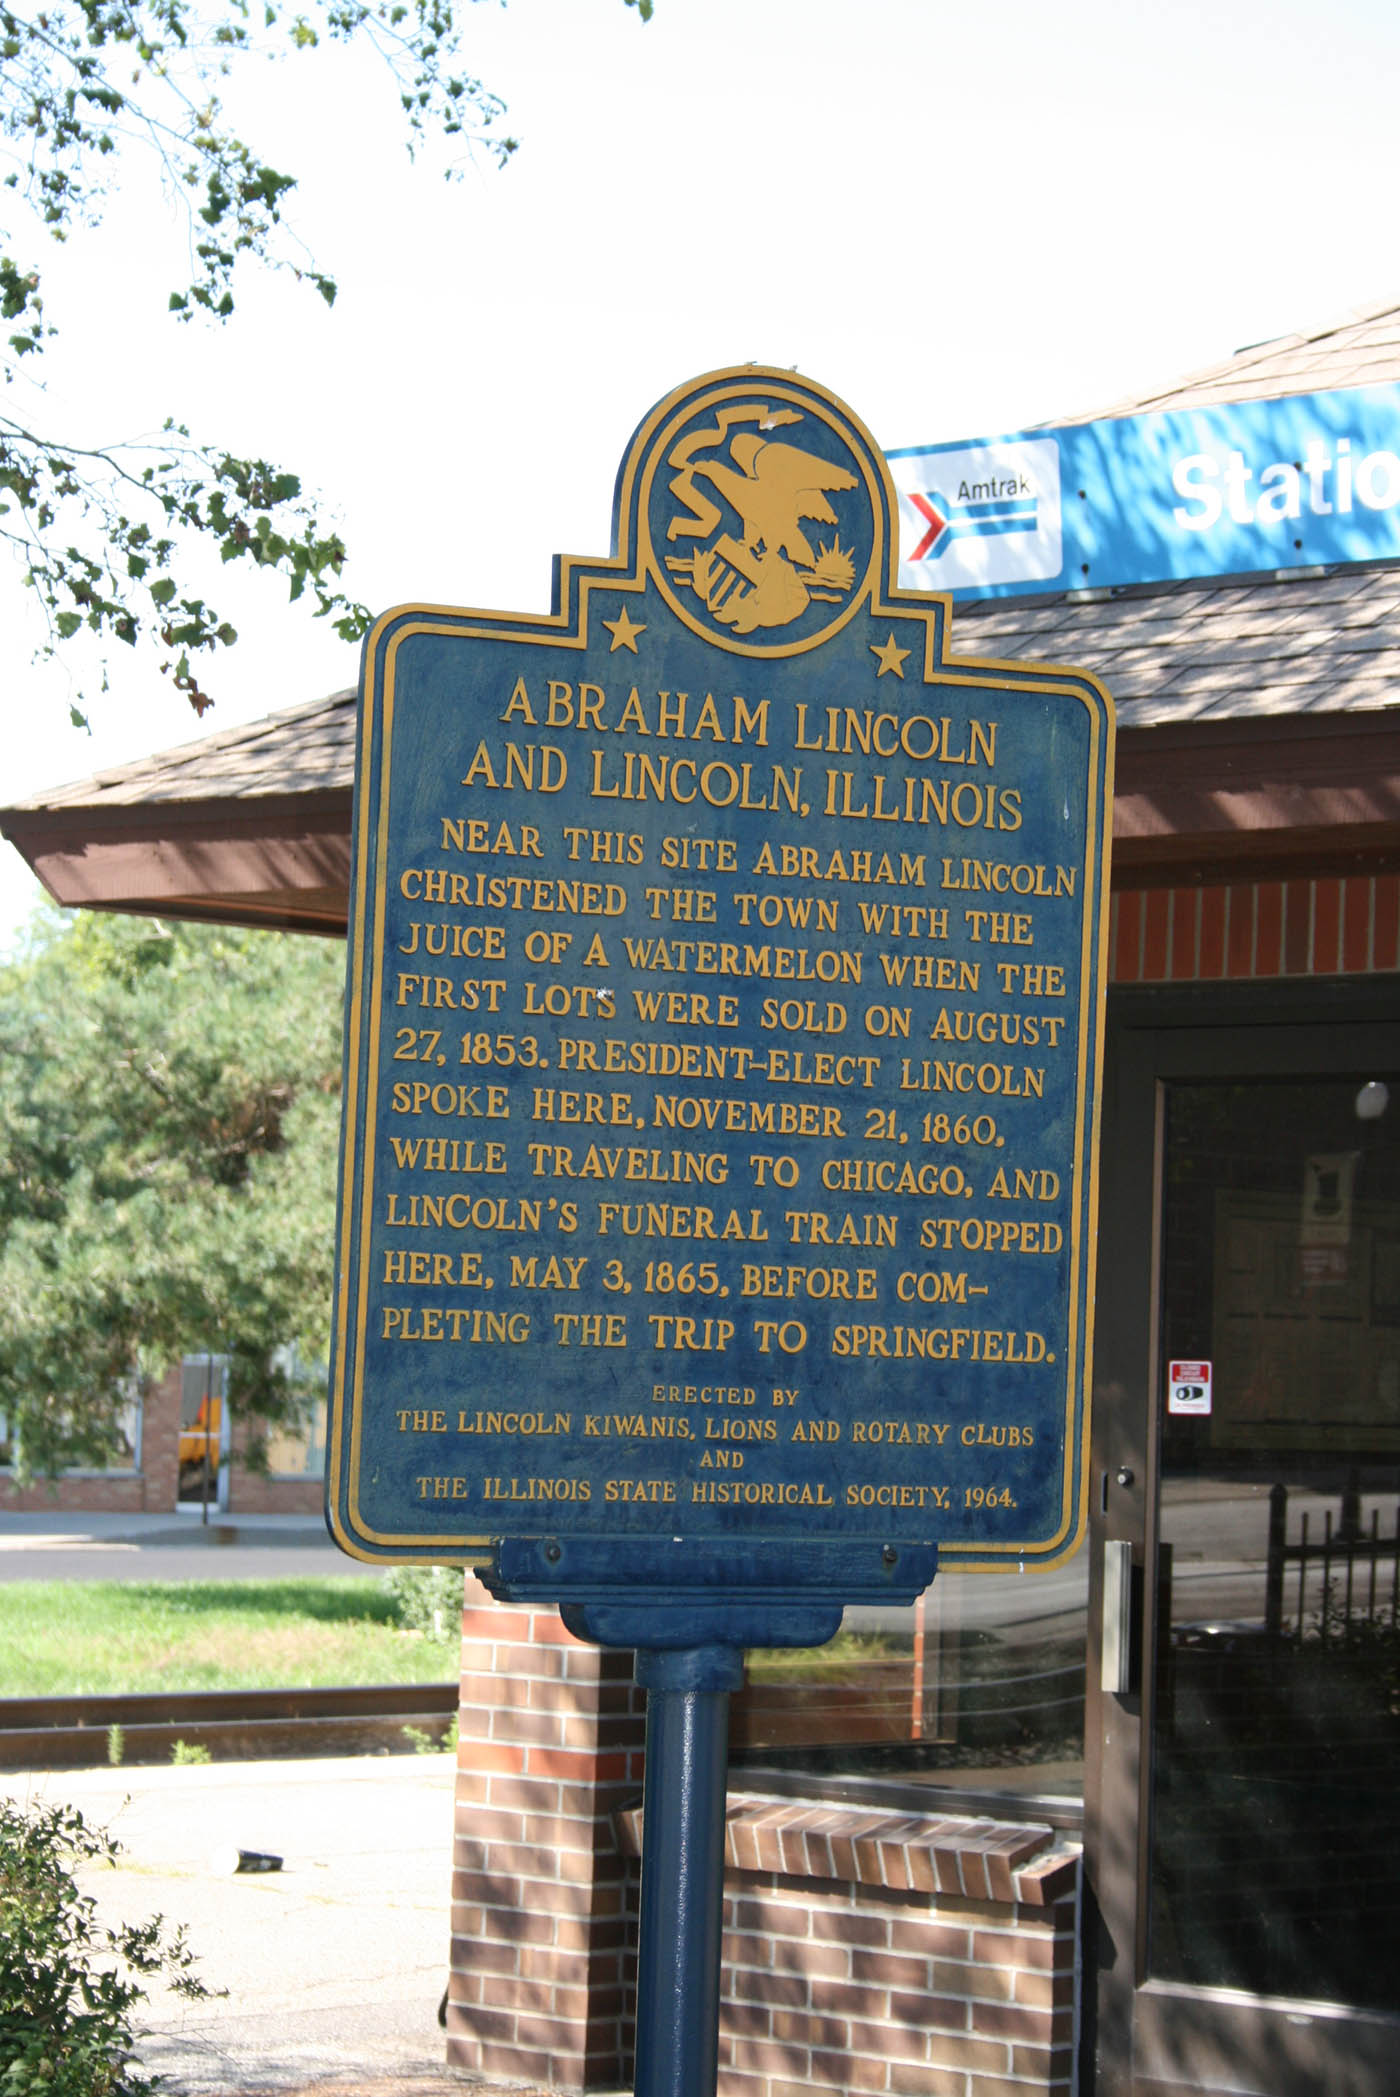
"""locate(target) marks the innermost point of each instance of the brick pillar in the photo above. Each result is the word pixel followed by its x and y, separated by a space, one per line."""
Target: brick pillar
pixel 551 1745
pixel 160 1443
pixel 247 1488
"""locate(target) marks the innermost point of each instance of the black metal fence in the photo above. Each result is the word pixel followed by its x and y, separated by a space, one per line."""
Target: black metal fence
pixel 1339 1572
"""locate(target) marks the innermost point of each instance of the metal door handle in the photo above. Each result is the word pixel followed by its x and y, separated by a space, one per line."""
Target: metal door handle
pixel 1116 1655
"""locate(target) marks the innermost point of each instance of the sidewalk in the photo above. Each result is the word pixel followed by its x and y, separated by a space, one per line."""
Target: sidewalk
pixel 56 1530
pixel 335 1964
pixel 50 1545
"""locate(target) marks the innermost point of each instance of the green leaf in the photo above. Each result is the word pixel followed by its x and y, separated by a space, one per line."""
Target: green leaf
pixel 89 95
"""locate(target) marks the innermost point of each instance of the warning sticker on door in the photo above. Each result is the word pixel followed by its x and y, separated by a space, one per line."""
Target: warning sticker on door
pixel 1188 1387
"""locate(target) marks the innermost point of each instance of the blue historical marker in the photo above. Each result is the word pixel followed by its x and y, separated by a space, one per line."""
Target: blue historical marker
pixel 722 1050
pixel 724 1033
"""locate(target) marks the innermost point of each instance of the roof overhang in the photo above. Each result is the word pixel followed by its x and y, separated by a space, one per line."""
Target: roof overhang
pixel 1238 799
pixel 282 861
pixel 1257 798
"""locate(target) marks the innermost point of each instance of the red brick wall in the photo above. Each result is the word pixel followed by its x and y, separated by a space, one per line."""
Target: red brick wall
pixel 855 1988
pixel 868 1950
pixel 249 1492
pixel 151 1490
pixel 160 1442
pixel 77 1493
pixel 154 1488
pixel 258 1492
pixel 551 1735
pixel 1254 930
pixel 914 1955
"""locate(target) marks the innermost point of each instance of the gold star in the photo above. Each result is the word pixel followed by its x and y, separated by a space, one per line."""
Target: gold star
pixel 889 657
pixel 624 632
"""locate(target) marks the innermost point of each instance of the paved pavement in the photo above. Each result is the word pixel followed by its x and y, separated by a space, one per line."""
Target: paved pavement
pixel 335 1964
pixel 54 1546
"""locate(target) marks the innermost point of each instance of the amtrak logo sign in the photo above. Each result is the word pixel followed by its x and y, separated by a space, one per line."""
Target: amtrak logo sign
pixel 980 514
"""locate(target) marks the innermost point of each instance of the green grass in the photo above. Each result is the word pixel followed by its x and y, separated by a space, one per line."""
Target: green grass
pixel 62 1638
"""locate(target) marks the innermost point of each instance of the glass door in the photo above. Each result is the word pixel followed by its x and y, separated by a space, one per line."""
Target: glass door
pixel 1244 1823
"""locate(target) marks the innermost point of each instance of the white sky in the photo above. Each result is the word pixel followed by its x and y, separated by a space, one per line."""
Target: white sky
pixel 964 218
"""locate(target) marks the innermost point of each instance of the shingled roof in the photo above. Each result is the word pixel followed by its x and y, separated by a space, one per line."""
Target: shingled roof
pixel 1301 643
pixel 1251 710
pixel 247 826
pixel 1361 349
pixel 1202 651
pixel 305 749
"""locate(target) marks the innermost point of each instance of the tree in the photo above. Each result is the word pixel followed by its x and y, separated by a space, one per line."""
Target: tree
pixel 71 1986
pixel 169 1101
pixel 85 86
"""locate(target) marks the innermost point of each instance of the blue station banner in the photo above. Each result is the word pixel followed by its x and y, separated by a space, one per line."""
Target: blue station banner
pixel 723 1046
pixel 1310 480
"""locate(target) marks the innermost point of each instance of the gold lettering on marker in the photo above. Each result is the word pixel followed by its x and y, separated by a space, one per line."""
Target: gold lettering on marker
pixel 634 1095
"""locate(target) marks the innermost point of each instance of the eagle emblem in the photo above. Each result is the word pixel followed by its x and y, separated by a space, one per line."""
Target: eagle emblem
pixel 770 572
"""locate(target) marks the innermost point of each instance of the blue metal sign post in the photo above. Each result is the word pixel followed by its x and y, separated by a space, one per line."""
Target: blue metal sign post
pixel 723 1037
pixel 678 1947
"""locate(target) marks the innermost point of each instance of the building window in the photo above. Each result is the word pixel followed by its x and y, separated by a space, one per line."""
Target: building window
pixel 116 1450
pixel 978 1687
pixel 296 1447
